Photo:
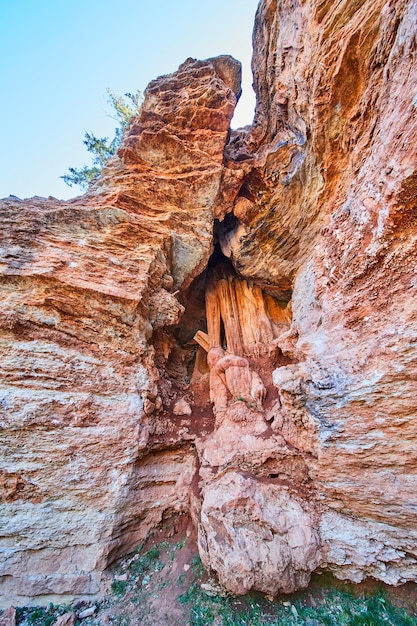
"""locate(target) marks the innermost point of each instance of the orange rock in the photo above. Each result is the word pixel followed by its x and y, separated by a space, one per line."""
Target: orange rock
pixel 257 536
pixel 68 619
pixel 101 295
pixel 8 618
pixel 85 285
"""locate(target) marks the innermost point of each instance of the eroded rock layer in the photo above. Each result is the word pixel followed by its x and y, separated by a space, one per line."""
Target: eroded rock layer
pixel 348 70
pixel 85 285
pixel 225 324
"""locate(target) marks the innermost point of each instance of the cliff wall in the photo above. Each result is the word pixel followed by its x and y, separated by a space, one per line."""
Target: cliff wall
pixel 342 76
pixel 302 231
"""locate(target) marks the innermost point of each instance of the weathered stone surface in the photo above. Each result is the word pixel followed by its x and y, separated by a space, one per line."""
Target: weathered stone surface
pixel 335 90
pixel 8 618
pixel 87 612
pixel 341 218
pixel 170 165
pixel 106 419
pixel 327 205
pixel 182 407
pixel 360 548
pixel 69 619
pixel 84 285
pixel 257 535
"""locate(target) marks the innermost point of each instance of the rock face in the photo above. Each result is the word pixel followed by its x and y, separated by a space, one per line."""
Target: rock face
pixel 287 249
pixel 84 286
pixel 354 282
pixel 257 535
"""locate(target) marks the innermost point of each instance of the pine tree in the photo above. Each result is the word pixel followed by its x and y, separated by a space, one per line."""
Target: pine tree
pixel 102 148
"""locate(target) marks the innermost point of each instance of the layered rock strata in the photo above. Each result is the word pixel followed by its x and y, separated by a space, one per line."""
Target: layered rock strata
pixel 287 434
pixel 84 286
pixel 344 76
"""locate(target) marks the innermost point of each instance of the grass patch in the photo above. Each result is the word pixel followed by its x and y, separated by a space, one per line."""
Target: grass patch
pixel 335 609
pixel 118 587
pixel 197 566
pixel 143 565
pixel 145 591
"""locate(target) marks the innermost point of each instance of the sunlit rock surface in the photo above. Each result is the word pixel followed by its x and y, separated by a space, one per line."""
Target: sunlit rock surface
pixel 113 414
pixel 341 220
pixel 84 285
pixel 256 534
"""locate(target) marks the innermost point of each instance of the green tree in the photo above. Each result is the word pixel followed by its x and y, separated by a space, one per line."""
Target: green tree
pixel 102 148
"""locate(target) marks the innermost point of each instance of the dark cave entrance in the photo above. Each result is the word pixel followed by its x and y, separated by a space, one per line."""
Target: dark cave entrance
pixel 247 327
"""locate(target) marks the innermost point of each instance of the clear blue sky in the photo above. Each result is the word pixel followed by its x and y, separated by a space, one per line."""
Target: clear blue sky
pixel 57 57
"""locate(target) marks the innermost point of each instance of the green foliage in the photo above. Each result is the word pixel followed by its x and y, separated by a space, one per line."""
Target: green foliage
pixel 36 615
pixel 102 148
pixel 118 587
pixel 147 563
pixel 207 605
pixel 39 616
pixel 197 567
pixel 336 608
pixel 152 554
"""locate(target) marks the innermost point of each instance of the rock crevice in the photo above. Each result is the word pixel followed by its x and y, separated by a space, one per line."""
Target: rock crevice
pixel 224 325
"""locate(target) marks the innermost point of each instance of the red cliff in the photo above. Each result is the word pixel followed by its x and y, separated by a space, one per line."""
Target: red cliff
pixel 224 325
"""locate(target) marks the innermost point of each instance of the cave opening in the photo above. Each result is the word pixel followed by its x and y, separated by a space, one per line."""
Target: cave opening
pixel 194 318
pixel 222 310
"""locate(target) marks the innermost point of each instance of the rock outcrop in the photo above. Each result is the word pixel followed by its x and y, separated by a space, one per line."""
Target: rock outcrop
pixel 85 285
pixel 224 325
pixel 344 77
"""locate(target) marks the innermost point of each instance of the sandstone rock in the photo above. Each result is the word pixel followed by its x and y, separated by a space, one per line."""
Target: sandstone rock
pixel 314 208
pixel 334 223
pixel 257 536
pixel 362 548
pixel 68 619
pixel 87 612
pixel 239 442
pixel 350 240
pixel 245 210
pixel 121 577
pixel 84 285
pixel 175 148
pixel 8 617
pixel 181 407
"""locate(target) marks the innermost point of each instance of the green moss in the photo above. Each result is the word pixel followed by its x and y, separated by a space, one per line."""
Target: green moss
pixel 146 563
pixel 40 616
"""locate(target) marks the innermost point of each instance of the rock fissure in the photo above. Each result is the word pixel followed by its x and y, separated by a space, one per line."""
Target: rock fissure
pixel 223 326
